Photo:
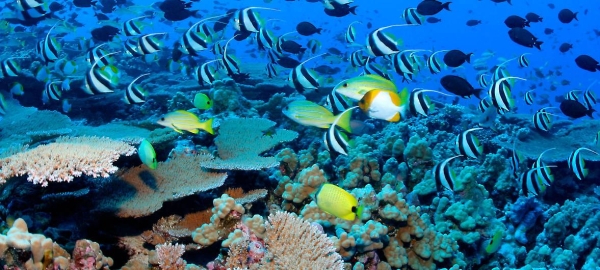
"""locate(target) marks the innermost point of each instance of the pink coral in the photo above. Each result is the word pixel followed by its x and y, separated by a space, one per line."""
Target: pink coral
pixel 169 256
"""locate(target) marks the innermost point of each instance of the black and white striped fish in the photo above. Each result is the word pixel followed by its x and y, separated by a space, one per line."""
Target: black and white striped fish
pixel 336 103
pixel 542 121
pixel 271 70
pixel 444 175
pixel 372 68
pixel 350 35
pixel 135 94
pixel 484 103
pixel 481 80
pixel 572 95
pixel 192 41
pixel 357 59
pixel 334 141
pixel 132 27
pixel 50 48
pixel 51 91
pixel 402 63
pixel 205 73
pixel 434 64
pixel 273 56
pixel 217 48
pixel 544 173
pixel 523 62
pixel 132 48
pixel 516 159
pixel 500 94
pixel 97 55
pixel 530 183
pixel 419 103
pixel 380 44
pixel 230 61
pixel 468 145
pixel 499 72
pixel 265 39
pixel 529 97
pixel 577 163
pixel 247 20
pixel 302 78
pixel 10 68
pixel 590 99
pixel 411 16
pixel 149 44
pixel 98 80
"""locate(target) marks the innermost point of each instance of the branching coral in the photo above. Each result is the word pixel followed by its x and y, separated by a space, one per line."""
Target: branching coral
pixel 293 243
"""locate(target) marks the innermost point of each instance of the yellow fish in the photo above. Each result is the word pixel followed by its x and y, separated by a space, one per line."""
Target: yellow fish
pixel 308 113
pixel 338 202
pixel 357 87
pixel 183 120
pixel 147 154
pixel 385 105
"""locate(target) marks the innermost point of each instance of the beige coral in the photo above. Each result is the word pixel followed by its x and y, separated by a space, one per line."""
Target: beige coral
pixel 65 159
pixel 293 243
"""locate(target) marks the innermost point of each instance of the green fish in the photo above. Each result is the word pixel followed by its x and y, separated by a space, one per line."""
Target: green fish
pixel 355 88
pixel 494 243
pixel 202 101
pixel 147 154
pixel 183 120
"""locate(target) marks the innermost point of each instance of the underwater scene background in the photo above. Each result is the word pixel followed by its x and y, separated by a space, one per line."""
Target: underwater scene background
pixel 313 134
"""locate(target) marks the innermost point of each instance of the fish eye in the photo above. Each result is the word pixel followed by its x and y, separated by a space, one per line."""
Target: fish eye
pixel 345 85
pixel 162 119
pixel 354 209
pixel 208 102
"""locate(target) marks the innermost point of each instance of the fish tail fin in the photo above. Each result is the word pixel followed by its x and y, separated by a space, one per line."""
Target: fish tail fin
pixel 598 67
pixel 208 126
pixel 477 93
pixel 468 57
pixel 590 113
pixel 319 30
pixel 359 211
pixel 344 121
pixel 527 23
pixel 538 44
pixel 353 10
pixel 575 16
pixel 509 2
pixel 446 6
pixel 541 19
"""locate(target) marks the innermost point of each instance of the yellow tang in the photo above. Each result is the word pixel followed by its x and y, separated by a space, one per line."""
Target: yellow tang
pixel 183 120
pixel 147 154
pixel 202 101
pixel 308 113
pixel 385 105
pixel 338 202
pixel 355 88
